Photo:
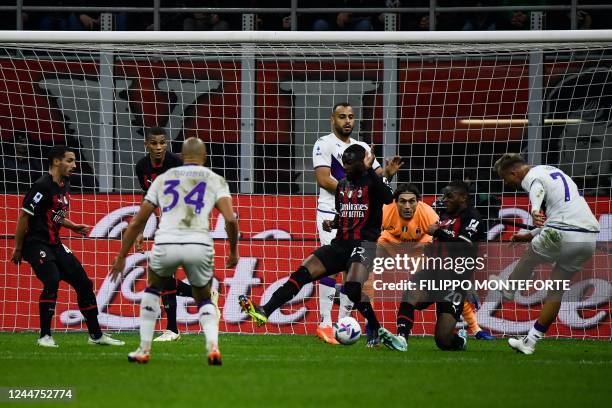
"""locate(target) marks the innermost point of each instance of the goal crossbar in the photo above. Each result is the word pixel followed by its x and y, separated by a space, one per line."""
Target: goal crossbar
pixel 407 37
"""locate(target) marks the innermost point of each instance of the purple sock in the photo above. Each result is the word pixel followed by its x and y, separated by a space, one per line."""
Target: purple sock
pixel 327 281
pixel 539 327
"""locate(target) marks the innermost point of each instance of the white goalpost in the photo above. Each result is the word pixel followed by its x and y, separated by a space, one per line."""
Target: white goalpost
pixel 449 103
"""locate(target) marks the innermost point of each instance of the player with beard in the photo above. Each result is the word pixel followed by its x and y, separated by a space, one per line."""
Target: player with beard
pixel 358 203
pixel 37 240
pixel 329 170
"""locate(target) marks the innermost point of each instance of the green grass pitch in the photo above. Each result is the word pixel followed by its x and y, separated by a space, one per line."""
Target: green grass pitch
pixel 287 371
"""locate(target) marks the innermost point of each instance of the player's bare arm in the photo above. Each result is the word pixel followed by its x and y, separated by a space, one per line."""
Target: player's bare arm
pixel 392 166
pixel 82 229
pixel 20 233
pixel 325 179
pixel 521 236
pixel 369 160
pixel 224 205
pixel 431 230
pixel 330 225
pixel 538 218
pixel 139 244
pixel 136 226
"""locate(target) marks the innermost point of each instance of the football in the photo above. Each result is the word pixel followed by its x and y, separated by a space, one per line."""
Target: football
pixel 347 331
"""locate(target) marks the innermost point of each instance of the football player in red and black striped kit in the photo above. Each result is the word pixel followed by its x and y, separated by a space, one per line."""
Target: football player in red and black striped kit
pixel 456 235
pixel 359 201
pixel 37 240
pixel 156 162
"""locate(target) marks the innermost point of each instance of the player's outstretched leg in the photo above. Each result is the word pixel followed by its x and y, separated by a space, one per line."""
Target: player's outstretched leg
pixel 254 311
pixel 282 295
pixel 149 310
pixel 405 321
pixel 391 341
pixel 362 304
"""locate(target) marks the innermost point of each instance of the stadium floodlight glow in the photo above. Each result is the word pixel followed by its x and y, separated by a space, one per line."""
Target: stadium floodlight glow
pixel 512 122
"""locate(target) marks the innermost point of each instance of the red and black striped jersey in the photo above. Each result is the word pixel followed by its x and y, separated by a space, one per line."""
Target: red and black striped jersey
pixel 47 205
pixel 466 227
pixel 147 172
pixel 359 206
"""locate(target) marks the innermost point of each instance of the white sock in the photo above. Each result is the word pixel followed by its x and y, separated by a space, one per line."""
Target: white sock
pixel 149 311
pixel 346 306
pixel 534 335
pixel 326 302
pixel 210 325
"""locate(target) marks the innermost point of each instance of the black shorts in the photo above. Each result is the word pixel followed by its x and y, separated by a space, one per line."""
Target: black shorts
pixel 339 255
pixel 447 300
pixel 453 308
pixel 53 263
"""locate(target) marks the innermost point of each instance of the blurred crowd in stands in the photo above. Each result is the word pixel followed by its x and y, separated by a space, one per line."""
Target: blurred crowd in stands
pixel 475 19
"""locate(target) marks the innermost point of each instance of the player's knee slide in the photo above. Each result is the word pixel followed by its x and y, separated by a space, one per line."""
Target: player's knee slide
pixel 445 342
pixel 300 277
pixel 353 291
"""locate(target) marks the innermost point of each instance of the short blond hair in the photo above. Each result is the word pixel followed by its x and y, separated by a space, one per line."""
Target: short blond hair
pixel 506 162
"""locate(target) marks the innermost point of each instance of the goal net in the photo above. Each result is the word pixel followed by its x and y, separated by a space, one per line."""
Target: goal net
pixel 448 103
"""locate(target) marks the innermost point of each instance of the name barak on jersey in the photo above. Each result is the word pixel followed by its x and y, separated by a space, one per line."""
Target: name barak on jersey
pixel 353 210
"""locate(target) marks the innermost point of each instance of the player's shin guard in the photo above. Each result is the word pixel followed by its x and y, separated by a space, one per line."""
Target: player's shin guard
pixel 289 289
pixel 346 306
pixel 46 305
pixel 149 310
pixel 88 306
pixel 353 291
pixel 90 313
pixel 405 319
pixel 46 309
pixel 209 323
pixel 327 291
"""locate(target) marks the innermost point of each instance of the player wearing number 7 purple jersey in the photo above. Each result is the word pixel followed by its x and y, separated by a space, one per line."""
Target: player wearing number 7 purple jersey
pixel 565 235
pixel 186 196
